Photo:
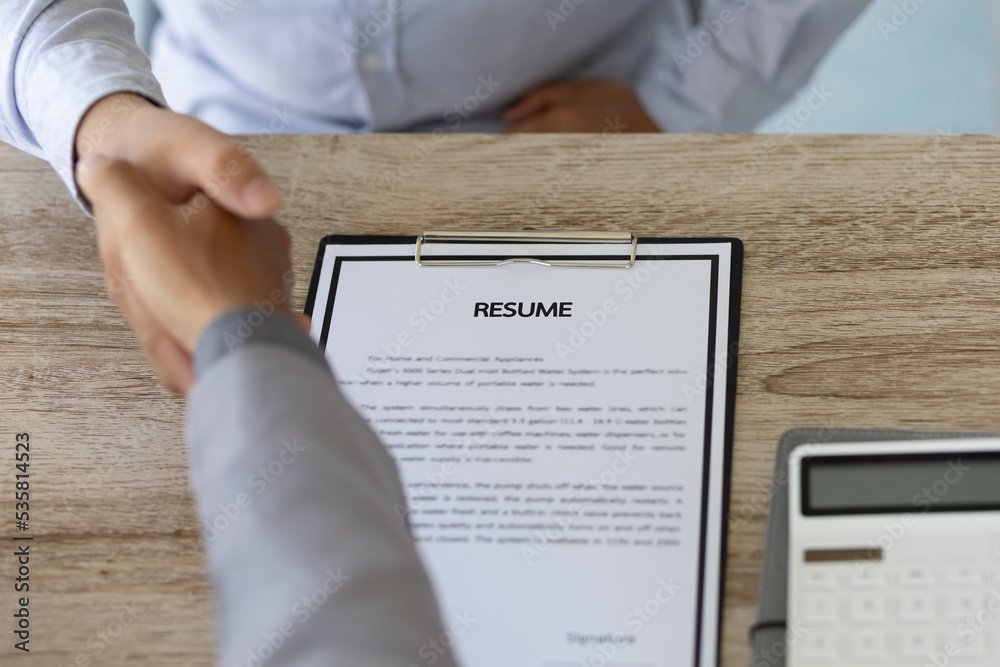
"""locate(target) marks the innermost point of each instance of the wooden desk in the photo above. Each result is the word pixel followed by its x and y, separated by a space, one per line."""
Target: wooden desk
pixel 871 298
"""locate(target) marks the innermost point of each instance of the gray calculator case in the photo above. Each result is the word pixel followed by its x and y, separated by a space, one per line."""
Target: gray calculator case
pixel 767 636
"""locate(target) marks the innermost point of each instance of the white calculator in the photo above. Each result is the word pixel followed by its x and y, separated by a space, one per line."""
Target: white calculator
pixel 894 554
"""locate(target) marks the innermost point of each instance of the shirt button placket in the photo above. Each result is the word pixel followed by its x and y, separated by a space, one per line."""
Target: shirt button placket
pixel 377 21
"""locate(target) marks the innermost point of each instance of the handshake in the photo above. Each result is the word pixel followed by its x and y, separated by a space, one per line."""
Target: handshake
pixel 169 271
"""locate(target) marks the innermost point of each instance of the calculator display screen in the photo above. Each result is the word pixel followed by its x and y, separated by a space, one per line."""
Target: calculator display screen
pixel 899 483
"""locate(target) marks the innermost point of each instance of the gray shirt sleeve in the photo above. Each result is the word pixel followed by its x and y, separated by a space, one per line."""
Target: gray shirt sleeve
pixel 302 510
pixel 56 60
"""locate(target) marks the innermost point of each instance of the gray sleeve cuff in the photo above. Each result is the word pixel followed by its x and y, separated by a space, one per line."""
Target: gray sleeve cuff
pixel 233 329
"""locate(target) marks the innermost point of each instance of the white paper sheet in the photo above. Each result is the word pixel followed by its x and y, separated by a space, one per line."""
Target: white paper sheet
pixel 565 473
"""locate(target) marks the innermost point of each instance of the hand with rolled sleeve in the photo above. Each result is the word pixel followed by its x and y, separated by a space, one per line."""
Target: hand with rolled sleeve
pixel 174 271
pixel 76 83
pixel 176 157
pixel 72 80
pixel 180 155
pixel 329 528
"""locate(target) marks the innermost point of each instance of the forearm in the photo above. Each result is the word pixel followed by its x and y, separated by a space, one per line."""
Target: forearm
pixel 302 508
pixel 58 60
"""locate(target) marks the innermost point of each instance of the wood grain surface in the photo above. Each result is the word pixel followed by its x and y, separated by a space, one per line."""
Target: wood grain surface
pixel 871 299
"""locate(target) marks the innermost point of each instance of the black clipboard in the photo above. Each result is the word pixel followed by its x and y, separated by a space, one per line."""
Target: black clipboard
pixel 412 248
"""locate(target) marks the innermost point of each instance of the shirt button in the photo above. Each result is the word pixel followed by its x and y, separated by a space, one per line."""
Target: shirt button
pixel 372 61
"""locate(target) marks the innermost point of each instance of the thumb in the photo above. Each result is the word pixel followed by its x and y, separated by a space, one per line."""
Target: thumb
pixel 230 176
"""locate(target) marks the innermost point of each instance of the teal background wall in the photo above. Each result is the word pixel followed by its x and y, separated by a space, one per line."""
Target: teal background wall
pixel 938 72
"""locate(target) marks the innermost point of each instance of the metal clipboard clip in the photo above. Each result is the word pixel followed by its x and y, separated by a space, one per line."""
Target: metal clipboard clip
pixel 527 236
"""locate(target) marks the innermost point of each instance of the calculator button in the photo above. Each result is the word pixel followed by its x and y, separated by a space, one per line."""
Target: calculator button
pixel 964 577
pixel 869 645
pixel 971 647
pixel 914 643
pixel 867 579
pixel 916 607
pixel 818 609
pixel 819 646
pixel 819 580
pixel 915 577
pixel 961 605
pixel 867 607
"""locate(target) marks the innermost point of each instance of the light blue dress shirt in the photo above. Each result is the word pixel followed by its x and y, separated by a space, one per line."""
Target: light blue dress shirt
pixel 404 65
pixel 253 66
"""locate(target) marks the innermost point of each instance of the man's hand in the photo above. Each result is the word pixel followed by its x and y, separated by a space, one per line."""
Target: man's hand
pixel 179 155
pixel 578 106
pixel 174 157
pixel 172 276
